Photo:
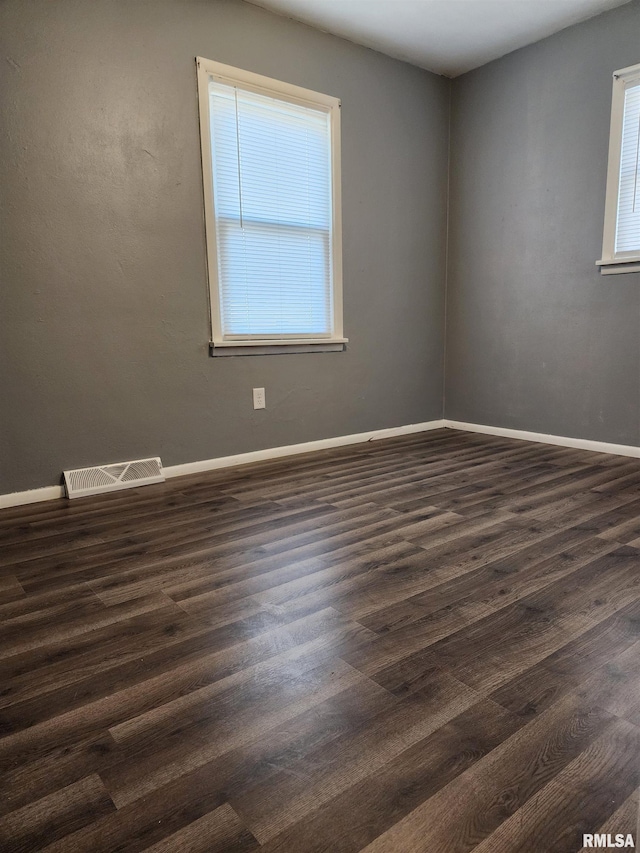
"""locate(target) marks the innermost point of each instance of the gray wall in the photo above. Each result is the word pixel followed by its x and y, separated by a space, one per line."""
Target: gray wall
pixel 103 315
pixel 536 338
pixel 103 312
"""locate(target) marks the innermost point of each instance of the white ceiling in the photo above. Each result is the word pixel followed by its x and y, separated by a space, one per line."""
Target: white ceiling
pixel 446 36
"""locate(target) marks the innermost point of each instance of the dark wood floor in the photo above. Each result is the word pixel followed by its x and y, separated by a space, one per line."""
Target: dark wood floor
pixel 424 644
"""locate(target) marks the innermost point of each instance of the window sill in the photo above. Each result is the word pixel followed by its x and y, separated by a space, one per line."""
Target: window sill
pixel 619 266
pixel 231 348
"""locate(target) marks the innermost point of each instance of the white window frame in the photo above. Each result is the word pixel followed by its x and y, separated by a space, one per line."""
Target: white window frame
pixel 620 262
pixel 232 344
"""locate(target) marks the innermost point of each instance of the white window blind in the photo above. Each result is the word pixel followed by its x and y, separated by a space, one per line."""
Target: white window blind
pixel 272 199
pixel 628 213
pixel 621 236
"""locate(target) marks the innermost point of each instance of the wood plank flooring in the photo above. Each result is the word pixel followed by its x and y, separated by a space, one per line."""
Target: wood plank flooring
pixel 429 643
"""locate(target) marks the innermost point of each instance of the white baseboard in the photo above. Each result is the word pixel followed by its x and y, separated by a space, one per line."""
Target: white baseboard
pixel 543 438
pixel 48 493
pixel 295 449
pixel 52 492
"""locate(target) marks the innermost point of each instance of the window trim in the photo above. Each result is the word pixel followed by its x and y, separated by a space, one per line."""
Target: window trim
pixel 207 68
pixel 612 262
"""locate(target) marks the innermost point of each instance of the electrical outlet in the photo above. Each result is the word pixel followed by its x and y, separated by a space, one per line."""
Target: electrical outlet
pixel 259 399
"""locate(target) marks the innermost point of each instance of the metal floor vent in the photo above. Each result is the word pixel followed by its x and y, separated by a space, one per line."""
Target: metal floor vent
pixel 81 482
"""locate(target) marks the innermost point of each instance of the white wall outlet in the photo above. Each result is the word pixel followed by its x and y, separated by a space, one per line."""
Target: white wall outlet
pixel 259 399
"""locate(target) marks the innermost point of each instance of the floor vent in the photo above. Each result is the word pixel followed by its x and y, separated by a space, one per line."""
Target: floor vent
pixel 109 478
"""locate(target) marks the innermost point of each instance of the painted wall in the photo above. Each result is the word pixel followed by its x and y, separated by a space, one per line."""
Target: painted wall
pixel 537 339
pixel 103 308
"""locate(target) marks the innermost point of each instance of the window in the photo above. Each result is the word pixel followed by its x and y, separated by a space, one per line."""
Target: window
pixel 621 242
pixel 271 168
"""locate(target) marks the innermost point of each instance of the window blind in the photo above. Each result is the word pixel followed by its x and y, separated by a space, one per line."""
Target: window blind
pixel 628 215
pixel 271 163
